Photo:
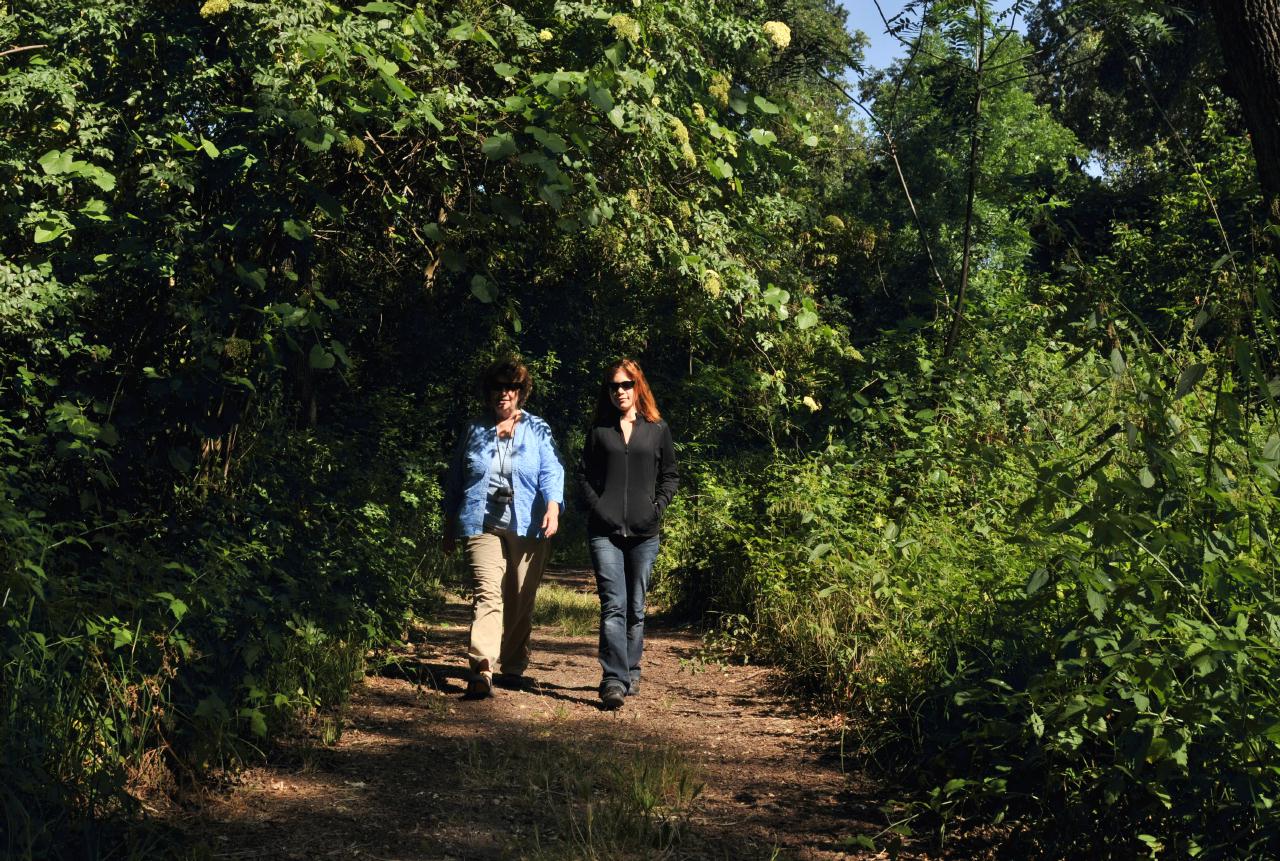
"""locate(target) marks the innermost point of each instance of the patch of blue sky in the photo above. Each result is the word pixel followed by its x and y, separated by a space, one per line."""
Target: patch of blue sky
pixel 883 48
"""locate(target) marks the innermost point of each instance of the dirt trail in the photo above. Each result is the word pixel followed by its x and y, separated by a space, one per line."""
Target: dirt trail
pixel 716 764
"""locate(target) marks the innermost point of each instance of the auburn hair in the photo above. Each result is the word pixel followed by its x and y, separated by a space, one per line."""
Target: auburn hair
pixel 645 403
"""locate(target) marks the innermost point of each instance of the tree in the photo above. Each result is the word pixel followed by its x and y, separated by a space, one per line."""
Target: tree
pixel 1249 31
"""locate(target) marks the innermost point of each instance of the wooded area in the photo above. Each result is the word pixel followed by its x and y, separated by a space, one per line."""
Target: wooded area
pixel 972 364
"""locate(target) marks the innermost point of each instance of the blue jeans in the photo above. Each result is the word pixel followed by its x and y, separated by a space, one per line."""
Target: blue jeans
pixel 623 566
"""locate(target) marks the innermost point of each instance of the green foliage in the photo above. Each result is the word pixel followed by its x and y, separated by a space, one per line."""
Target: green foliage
pixel 251 258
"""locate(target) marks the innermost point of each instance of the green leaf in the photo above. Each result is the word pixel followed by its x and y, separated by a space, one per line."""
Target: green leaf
pixel 212 708
pixel 720 169
pixel 182 142
pixel 552 141
pixel 54 162
pixel 298 230
pixel 320 358
pixel 600 97
pixel 1187 380
pixel 775 296
pixel 498 146
pixel 616 53
pixel 48 234
pixel 1146 478
pixel 553 194
pixel 617 117
pixel 95 209
pixel 255 276
pixel 461 32
pixel 257 721
pixel 819 551
pixel 1037 581
pixel 810 140
pixel 1118 364
pixel 765 106
pixel 762 137
pixel 209 148
pixel 387 73
pixel 505 70
pixel 806 319
pixel 482 288
pixel 1097 602
pixel 378 8
pixel 121 636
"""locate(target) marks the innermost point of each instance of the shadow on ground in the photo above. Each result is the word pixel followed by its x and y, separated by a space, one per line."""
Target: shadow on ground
pixel 709 762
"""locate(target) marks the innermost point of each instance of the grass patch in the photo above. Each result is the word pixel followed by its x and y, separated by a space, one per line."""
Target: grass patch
pixel 586 800
pixel 573 613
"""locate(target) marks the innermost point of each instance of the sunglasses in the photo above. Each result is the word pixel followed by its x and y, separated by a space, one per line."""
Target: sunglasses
pixel 505 387
pixel 622 385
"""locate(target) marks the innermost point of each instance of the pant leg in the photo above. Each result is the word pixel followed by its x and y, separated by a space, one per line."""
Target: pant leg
pixel 640 557
pixel 486 557
pixel 607 559
pixel 526 559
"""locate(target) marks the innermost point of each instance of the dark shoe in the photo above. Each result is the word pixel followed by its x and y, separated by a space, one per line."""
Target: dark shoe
pixel 612 695
pixel 512 682
pixel 634 688
pixel 480 686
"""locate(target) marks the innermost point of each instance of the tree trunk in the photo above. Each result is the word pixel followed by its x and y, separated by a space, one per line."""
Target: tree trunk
pixel 1249 32
pixel 957 314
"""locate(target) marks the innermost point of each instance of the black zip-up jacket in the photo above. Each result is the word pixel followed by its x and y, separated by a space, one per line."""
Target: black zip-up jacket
pixel 627 486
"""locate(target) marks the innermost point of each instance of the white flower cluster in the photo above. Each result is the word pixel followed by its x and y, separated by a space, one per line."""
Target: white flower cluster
pixel 214 7
pixel 779 34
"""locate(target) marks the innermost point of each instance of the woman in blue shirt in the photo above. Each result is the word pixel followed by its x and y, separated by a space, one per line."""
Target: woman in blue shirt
pixel 502 499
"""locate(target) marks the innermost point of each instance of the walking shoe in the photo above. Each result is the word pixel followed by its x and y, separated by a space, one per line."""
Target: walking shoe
pixel 512 682
pixel 634 688
pixel 480 686
pixel 612 695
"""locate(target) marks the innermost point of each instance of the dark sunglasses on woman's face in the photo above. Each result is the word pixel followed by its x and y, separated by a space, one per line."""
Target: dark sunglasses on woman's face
pixel 623 385
pixel 504 387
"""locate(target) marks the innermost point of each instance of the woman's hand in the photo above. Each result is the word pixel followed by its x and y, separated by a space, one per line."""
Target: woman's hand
pixel 551 520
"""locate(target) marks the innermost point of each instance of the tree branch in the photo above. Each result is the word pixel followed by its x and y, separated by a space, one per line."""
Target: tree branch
pixel 21 48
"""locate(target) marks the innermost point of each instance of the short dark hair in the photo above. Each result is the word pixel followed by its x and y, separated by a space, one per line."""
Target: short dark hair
pixel 508 370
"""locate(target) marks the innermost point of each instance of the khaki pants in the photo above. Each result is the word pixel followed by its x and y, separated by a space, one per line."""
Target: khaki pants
pixel 506 570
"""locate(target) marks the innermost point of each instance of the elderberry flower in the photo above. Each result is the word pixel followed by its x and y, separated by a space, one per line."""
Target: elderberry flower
pixel 779 34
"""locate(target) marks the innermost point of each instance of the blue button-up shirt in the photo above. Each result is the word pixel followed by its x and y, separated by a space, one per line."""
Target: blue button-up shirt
pixel 536 471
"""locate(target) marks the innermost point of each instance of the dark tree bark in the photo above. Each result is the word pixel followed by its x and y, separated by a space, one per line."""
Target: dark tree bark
pixel 1249 31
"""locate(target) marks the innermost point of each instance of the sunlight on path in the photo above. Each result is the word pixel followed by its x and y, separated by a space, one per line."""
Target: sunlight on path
pixel 707 762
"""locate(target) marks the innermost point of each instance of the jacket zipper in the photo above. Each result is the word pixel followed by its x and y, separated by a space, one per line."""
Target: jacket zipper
pixel 626 477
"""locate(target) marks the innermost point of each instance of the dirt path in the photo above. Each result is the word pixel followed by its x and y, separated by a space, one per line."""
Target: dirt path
pixel 707 762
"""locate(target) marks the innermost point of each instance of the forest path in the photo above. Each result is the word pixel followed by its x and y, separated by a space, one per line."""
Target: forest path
pixel 708 761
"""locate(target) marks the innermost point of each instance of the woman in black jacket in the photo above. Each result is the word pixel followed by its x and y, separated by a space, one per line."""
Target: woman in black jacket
pixel 628 477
